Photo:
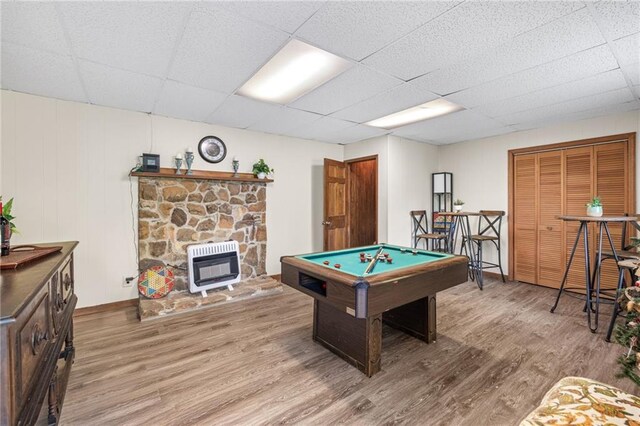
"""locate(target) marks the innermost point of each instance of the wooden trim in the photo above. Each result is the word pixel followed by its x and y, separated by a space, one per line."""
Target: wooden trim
pixel 630 138
pixel 510 210
pixel 348 163
pixel 356 160
pixel 169 173
pixel 113 306
pixel 571 144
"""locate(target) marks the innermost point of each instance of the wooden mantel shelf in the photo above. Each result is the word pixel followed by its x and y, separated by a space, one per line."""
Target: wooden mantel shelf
pixel 168 173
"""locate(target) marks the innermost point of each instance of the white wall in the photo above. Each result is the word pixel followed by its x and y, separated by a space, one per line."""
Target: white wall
pixel 411 164
pixel 375 146
pixel 480 168
pixel 67 163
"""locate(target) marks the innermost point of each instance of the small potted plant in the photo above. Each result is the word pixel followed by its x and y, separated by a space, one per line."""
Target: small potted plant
pixel 261 169
pixel 457 205
pixel 594 207
pixel 6 213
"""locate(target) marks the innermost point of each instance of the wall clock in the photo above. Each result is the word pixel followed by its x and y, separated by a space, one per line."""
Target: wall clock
pixel 212 149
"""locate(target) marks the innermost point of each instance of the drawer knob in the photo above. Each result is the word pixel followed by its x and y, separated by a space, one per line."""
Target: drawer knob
pixel 37 337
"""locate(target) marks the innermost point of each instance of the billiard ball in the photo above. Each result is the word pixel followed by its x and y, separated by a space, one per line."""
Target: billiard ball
pixel 403 250
pixel 362 254
pixel 386 255
pixel 415 252
pixel 363 260
pixel 337 266
pixel 326 262
pixel 389 259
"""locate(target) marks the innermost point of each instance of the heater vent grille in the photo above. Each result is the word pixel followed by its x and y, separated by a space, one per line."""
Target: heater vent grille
pixel 212 248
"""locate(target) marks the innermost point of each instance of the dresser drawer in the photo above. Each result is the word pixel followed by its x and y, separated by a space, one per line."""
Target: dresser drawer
pixel 61 290
pixel 33 341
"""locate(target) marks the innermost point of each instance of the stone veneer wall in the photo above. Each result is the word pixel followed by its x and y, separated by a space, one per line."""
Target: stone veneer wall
pixel 174 213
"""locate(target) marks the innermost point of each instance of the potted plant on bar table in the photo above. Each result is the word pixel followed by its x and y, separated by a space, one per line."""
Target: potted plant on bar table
pixel 457 205
pixel 594 207
pixel 261 169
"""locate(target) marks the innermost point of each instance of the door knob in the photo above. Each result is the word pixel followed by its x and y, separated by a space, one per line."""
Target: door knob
pixel 326 223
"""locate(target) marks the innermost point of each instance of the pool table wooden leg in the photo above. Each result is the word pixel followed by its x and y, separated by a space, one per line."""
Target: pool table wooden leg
pixel 356 340
pixel 417 318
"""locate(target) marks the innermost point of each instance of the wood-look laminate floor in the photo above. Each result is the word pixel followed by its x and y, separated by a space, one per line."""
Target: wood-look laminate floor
pixel 497 353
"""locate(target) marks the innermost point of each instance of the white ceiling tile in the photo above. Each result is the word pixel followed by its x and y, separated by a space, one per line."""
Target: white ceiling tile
pixel 627 49
pixel 119 89
pixel 633 72
pixel 40 73
pixel 574 67
pixel 599 83
pixel 573 106
pixel 469 135
pixel 462 33
pixel 319 129
pixel 284 15
pixel 396 99
pixel 354 133
pixel 220 50
pixel 357 29
pixel 350 87
pixel 134 36
pixel 618 18
pixel 564 118
pixel 449 126
pixel 191 103
pixel 238 111
pixel 33 24
pixel 285 119
pixel 562 37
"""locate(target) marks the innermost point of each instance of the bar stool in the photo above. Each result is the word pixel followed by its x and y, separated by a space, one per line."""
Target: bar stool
pixel 489 227
pixel 630 265
pixel 420 231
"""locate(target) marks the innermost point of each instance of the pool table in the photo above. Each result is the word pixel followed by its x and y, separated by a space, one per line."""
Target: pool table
pixel 350 306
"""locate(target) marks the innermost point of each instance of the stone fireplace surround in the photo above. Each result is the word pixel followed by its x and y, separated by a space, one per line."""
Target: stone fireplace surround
pixel 175 212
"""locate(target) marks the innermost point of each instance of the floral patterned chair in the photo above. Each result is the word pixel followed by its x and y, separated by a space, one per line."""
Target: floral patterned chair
pixel 580 401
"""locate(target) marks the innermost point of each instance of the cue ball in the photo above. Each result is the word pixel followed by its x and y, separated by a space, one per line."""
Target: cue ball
pixel 326 262
pixel 415 252
pixel 337 265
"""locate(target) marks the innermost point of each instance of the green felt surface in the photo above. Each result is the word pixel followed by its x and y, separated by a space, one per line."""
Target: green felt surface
pixel 349 259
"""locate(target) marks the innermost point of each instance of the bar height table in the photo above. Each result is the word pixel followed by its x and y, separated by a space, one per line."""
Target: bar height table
pixel 590 280
pixel 461 222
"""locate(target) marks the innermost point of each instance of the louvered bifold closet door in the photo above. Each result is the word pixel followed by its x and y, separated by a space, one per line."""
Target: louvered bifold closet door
pixel 578 190
pixel 612 187
pixel 551 261
pixel 524 217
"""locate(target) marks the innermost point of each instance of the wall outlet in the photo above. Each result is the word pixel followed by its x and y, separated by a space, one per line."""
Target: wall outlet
pixel 127 281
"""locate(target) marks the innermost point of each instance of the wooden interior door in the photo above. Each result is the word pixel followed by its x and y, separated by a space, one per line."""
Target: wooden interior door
pixel 578 187
pixel 550 261
pixel 363 202
pixel 335 205
pixel 525 221
pixel 611 185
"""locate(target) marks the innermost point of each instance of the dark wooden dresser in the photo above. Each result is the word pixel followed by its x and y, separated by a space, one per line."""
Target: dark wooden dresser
pixel 37 302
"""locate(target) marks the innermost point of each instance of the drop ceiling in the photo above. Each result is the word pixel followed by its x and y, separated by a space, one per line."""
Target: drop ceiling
pixel 512 65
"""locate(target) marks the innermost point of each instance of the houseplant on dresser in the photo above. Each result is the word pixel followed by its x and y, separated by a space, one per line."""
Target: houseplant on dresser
pixel 261 169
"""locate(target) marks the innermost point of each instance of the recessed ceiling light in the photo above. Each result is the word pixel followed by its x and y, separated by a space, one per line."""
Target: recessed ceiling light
pixel 295 70
pixel 417 113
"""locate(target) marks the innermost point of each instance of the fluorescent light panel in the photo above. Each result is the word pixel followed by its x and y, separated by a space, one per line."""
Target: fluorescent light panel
pixel 425 111
pixel 295 70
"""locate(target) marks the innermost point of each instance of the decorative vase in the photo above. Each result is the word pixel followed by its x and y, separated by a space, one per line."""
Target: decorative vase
pixel 594 211
pixel 457 208
pixel 262 175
